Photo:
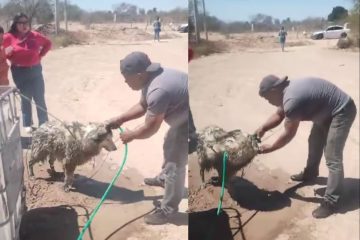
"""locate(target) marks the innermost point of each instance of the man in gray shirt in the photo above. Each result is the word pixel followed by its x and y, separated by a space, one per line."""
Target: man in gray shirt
pixel 164 97
pixel 332 112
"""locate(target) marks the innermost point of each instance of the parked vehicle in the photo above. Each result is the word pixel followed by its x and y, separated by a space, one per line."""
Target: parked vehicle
pixel 332 32
pixel 12 191
pixel 184 28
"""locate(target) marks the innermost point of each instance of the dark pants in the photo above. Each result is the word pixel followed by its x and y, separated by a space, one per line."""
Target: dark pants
pixel 330 138
pixel 157 34
pixel 30 82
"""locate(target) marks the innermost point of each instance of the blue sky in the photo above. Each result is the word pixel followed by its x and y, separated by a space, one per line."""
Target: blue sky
pixel 147 4
pixel 231 10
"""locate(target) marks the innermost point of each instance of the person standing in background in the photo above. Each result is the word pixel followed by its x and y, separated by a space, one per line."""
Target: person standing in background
pixel 25 49
pixel 282 37
pixel 157 29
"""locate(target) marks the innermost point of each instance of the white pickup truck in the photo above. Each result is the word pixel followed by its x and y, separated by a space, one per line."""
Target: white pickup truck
pixel 332 32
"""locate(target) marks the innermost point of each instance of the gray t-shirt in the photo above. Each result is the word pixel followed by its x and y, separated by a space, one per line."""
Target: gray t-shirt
pixel 168 93
pixel 313 99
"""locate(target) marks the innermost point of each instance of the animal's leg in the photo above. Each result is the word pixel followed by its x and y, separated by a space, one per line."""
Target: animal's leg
pixel 52 171
pixel 69 176
pixel 202 175
pixel 31 167
pixel 216 181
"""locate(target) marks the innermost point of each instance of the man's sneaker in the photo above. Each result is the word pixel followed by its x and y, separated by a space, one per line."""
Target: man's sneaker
pixel 324 210
pixel 154 182
pixel 303 177
pixel 156 218
pixel 28 129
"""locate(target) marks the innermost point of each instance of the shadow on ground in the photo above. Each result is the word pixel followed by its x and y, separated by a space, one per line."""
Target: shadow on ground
pixel 350 200
pixel 96 189
pixel 256 198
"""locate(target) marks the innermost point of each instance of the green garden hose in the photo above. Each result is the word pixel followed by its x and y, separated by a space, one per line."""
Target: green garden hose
pixel 225 157
pixel 92 216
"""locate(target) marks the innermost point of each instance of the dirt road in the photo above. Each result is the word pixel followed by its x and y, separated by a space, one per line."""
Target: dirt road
pixel 224 91
pixel 84 83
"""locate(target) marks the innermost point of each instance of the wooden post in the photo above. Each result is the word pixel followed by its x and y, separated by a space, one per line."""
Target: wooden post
pixel 65 15
pixel 114 18
pixel 56 18
pixel 197 32
pixel 205 25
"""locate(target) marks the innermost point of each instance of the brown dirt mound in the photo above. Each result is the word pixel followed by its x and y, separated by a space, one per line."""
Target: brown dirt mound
pixel 54 214
pixel 259 193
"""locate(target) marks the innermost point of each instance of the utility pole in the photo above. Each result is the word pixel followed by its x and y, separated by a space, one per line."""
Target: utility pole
pixel 65 15
pixel 204 20
pixel 197 32
pixel 114 16
pixel 56 17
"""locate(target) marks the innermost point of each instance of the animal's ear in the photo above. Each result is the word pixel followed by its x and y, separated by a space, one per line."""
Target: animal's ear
pixel 100 134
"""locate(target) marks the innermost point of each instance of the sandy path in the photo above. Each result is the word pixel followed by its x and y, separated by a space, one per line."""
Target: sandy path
pixel 225 87
pixel 84 83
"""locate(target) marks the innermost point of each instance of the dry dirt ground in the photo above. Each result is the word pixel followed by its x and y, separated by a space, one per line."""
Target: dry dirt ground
pixel 265 204
pixel 84 83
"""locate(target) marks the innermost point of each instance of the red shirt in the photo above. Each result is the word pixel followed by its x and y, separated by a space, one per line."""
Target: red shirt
pixel 27 51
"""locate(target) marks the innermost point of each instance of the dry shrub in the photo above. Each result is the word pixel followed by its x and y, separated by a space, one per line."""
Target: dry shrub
pixel 65 39
pixel 206 48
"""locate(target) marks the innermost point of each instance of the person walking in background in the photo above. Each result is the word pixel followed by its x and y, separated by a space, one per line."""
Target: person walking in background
pixel 282 37
pixel 157 29
pixel 25 49
pixel 4 67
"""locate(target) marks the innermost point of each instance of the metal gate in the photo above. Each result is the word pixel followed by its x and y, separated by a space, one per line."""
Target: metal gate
pixel 12 191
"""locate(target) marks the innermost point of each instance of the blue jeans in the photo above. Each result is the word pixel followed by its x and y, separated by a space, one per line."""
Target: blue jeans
pixel 174 167
pixel 282 44
pixel 30 82
pixel 157 34
pixel 329 138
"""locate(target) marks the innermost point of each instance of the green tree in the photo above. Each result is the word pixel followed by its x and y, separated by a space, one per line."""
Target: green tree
pixel 338 14
pixel 39 9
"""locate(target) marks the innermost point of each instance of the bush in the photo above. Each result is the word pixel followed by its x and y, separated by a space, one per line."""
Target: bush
pixel 345 43
pixel 206 48
pixel 65 39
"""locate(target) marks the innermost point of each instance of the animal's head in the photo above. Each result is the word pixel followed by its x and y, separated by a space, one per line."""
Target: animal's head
pixel 101 135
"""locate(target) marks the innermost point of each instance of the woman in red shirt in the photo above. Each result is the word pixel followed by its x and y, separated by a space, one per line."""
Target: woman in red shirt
pixel 25 48
pixel 4 67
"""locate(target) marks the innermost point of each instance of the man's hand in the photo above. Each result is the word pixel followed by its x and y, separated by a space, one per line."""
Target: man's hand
pixel 266 148
pixel 291 127
pixel 113 123
pixel 260 132
pixel 127 136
